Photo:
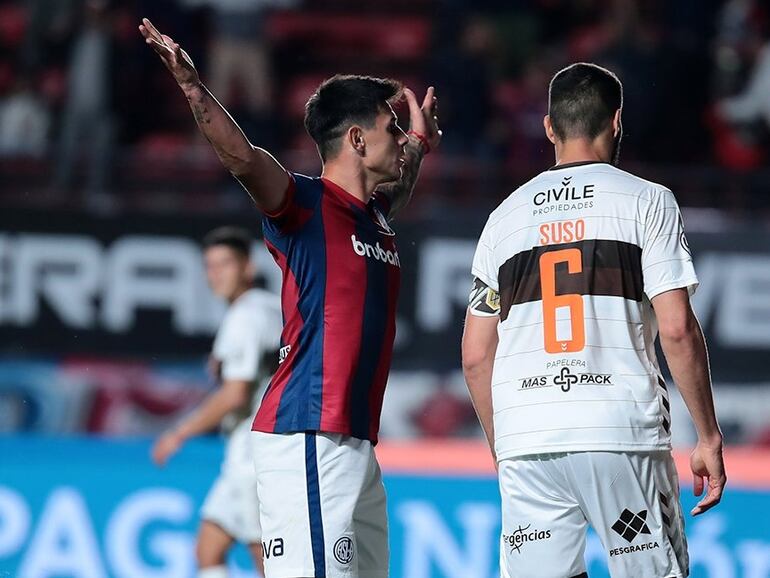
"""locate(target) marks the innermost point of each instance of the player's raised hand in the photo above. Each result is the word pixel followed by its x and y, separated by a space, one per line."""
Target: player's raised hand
pixel 423 118
pixel 176 60
pixel 707 464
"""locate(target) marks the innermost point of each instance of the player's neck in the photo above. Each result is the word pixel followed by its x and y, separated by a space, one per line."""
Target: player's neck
pixel 240 291
pixel 352 180
pixel 581 151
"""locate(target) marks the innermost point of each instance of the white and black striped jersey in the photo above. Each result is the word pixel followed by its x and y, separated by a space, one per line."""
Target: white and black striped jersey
pixel 246 347
pixel 572 259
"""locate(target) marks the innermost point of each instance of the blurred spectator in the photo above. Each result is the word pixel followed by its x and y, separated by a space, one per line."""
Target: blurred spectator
pixel 753 103
pixel 741 119
pixel 47 25
pixel 464 76
pixel 240 71
pixel 88 124
pixel 24 122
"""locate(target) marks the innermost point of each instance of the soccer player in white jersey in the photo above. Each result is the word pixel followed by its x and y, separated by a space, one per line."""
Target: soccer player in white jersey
pixel 244 356
pixel 576 273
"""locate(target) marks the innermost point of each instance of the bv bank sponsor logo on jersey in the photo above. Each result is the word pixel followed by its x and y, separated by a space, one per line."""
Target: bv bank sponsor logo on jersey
pixel 375 252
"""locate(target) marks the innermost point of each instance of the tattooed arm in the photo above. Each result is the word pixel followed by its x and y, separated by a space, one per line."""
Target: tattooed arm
pixel 256 169
pixel 400 192
pixel 424 136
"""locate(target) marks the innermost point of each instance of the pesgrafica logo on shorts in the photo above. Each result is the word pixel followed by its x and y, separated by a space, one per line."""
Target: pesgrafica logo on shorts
pixel 343 550
pixel 521 535
pixel 629 526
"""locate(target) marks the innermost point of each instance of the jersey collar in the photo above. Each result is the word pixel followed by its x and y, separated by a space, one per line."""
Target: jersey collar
pixel 576 164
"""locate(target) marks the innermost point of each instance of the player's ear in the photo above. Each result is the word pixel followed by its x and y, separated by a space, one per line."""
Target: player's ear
pixel 617 126
pixel 549 129
pixel 356 139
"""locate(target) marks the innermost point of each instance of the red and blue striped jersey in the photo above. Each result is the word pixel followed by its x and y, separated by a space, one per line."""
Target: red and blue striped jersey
pixel 341 277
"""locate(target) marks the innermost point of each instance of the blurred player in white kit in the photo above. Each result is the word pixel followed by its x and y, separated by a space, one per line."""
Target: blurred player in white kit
pixel 244 356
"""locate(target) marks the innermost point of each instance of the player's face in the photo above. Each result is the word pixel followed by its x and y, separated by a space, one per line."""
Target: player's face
pixel 227 271
pixel 385 146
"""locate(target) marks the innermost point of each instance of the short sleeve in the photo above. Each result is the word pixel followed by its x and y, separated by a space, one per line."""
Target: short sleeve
pixel 237 348
pixel 484 266
pixel 666 258
pixel 303 196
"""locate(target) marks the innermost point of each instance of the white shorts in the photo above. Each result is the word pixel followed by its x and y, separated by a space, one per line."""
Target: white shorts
pixel 232 501
pixel 630 499
pixel 322 506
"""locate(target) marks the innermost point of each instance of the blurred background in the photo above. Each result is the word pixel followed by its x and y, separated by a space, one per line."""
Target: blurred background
pixel 106 189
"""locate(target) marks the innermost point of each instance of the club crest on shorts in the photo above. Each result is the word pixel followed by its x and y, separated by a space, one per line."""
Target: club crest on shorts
pixel 343 550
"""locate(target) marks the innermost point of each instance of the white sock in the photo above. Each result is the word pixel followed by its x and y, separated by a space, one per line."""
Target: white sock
pixel 213 572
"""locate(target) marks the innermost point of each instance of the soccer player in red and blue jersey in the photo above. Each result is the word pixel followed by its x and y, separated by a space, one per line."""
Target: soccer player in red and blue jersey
pixel 322 504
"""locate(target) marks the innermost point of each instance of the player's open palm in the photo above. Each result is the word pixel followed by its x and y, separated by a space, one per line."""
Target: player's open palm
pixel 176 60
pixel 423 118
pixel 708 471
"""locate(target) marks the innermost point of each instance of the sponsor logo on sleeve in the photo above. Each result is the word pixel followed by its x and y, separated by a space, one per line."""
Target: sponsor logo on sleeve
pixel 283 353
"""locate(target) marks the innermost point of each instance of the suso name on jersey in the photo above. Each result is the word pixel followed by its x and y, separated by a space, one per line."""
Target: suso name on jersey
pixel 562 232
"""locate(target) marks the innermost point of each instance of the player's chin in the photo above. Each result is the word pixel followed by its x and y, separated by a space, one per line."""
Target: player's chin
pixel 392 175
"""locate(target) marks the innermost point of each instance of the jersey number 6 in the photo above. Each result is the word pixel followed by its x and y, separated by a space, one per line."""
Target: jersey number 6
pixel 552 301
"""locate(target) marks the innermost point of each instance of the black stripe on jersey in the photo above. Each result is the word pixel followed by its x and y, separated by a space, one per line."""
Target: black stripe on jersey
pixel 609 267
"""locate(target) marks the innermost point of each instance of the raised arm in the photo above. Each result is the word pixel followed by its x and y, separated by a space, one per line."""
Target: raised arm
pixel 424 136
pixel 256 169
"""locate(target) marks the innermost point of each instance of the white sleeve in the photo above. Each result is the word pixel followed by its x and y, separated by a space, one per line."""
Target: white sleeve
pixel 238 347
pixel 484 266
pixel 666 259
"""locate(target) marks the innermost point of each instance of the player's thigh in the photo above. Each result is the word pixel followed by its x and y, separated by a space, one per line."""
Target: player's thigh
pixel 233 504
pixel 370 524
pixel 544 529
pixel 353 508
pixel 309 486
pixel 632 501
pixel 212 544
pixel 288 495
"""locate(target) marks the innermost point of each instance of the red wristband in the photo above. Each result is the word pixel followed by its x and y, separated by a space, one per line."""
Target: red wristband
pixel 423 141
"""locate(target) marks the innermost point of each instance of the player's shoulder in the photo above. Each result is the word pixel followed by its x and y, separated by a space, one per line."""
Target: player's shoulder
pixel 511 203
pixel 629 182
pixel 257 300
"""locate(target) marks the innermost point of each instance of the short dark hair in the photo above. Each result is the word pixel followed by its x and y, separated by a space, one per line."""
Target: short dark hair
pixel 582 100
pixel 344 100
pixel 237 238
